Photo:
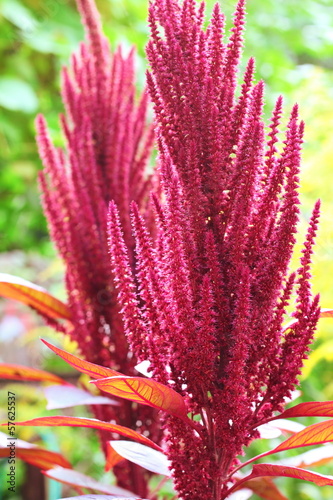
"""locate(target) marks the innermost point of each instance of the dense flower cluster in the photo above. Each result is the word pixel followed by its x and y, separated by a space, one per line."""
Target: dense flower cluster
pixel 207 304
pixel 108 145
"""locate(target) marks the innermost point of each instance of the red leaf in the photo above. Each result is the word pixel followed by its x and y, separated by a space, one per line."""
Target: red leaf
pixel 19 372
pixel 112 457
pixel 273 470
pixel 326 313
pixel 28 293
pixel 145 391
pixel 282 470
pixel 313 434
pixel 149 459
pixel 264 488
pixel 43 459
pixel 74 478
pixel 62 421
pixel 83 366
pixel 310 409
pixel 32 454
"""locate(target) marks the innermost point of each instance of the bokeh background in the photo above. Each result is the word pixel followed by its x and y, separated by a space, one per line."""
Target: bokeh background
pixel 292 42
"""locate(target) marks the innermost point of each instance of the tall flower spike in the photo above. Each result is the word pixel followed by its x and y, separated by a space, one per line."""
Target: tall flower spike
pixel 108 145
pixel 226 232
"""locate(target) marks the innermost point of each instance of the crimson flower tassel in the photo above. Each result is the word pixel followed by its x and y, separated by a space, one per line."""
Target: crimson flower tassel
pixel 210 296
pixel 108 145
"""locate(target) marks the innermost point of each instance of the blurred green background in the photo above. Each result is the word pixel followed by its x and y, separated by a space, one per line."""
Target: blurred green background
pixel 292 41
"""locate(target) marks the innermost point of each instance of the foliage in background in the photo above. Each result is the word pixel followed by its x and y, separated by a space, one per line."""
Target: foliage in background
pixel 37 36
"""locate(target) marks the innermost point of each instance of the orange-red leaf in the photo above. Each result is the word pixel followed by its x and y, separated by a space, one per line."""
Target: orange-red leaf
pixel 32 454
pixel 282 470
pixel 310 409
pixel 326 313
pixel 112 457
pixel 19 372
pixel 83 366
pixel 313 434
pixel 35 296
pixel 274 470
pixel 43 459
pixel 62 421
pixel 264 488
pixel 77 479
pixel 145 391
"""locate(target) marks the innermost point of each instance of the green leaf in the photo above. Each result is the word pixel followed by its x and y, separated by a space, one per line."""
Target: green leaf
pixel 17 95
pixel 18 15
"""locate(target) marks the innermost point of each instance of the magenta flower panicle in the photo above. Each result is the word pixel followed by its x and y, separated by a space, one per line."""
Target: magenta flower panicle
pixel 108 146
pixel 209 298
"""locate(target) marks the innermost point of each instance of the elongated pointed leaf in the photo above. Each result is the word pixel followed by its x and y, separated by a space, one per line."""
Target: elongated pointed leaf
pixel 19 372
pixel 310 409
pixel 35 296
pixel 74 478
pixel 264 488
pixel 145 391
pixel 326 313
pixel 313 434
pixel 43 459
pixel 112 457
pixel 274 470
pixel 281 470
pixel 58 397
pixel 62 421
pixel 149 459
pixel 34 455
pixel 83 366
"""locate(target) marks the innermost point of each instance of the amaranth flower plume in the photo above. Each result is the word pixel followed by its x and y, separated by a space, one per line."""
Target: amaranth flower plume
pixel 210 295
pixel 108 145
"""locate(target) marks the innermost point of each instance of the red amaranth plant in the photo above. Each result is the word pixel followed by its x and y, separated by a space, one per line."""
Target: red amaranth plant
pixel 108 146
pixel 214 289
pixel 205 298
